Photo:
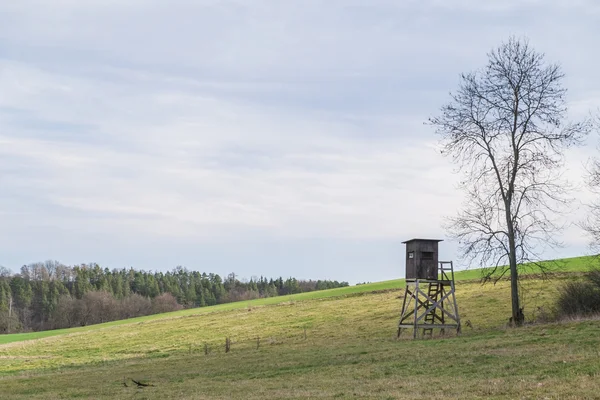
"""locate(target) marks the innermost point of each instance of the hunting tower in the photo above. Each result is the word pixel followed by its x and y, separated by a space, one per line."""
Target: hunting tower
pixel 429 298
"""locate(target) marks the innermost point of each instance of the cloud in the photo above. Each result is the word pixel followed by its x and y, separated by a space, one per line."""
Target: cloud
pixel 213 162
pixel 209 122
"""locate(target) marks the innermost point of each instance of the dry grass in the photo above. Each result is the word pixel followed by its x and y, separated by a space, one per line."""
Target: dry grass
pixel 350 352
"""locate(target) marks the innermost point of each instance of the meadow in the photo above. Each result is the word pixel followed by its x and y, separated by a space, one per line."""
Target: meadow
pixel 339 343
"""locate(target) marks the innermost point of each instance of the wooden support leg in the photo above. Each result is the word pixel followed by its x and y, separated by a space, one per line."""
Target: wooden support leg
pixel 416 308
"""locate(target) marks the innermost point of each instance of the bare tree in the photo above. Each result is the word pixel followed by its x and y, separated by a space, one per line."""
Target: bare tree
pixel 5 272
pixel 135 305
pixel 592 222
pixel 65 314
pixel 505 128
pixel 98 307
pixel 51 268
pixel 166 302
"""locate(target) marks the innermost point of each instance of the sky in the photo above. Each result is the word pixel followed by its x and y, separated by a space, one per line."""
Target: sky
pixel 261 137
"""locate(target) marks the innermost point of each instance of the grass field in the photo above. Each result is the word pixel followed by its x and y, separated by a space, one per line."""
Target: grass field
pixel 331 344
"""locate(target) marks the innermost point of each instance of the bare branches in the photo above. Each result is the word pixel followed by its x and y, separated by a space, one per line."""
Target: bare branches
pixel 505 127
pixel 592 224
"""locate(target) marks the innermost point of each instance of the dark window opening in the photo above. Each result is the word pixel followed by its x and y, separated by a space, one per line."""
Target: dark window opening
pixel 427 255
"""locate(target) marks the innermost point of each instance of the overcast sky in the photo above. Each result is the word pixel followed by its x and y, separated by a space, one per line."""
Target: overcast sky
pixel 265 137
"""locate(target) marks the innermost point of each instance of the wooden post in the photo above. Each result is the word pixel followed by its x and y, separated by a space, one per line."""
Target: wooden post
pixel 403 308
pixel 206 349
pixel 304 333
pixel 257 342
pixel 456 311
pixel 227 345
pixel 416 294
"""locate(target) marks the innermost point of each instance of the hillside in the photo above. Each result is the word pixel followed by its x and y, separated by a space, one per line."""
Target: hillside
pixel 575 264
pixel 331 344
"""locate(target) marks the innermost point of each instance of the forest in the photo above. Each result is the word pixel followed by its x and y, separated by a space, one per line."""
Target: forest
pixel 50 295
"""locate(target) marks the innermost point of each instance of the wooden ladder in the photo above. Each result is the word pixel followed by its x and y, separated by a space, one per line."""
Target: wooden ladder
pixel 434 291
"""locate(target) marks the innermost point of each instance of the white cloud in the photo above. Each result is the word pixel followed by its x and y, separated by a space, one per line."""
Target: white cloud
pixel 211 162
pixel 204 120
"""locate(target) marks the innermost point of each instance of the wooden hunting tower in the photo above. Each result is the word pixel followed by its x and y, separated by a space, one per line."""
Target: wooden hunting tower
pixel 429 299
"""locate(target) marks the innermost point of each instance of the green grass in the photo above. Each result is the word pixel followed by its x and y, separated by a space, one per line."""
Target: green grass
pixel 349 351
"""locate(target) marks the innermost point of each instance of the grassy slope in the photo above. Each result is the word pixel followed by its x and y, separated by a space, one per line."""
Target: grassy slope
pixel 349 352
pixel 550 362
pixel 575 264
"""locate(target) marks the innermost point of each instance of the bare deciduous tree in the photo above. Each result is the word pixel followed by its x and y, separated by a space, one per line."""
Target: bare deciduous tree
pixel 506 129
pixel 4 272
pixel 165 302
pixel 592 223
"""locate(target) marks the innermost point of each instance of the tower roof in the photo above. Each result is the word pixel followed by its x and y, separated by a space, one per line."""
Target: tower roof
pixel 423 240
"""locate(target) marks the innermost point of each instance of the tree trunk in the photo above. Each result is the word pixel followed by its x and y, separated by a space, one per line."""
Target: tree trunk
pixel 517 314
pixel 10 301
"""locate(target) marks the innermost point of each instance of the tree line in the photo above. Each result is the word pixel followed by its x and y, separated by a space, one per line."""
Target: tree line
pixel 50 295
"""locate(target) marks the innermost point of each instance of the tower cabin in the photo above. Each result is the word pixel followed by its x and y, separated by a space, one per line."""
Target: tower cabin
pixel 422 259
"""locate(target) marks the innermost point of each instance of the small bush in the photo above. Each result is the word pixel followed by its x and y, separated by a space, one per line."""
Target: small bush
pixel 594 277
pixel 580 298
